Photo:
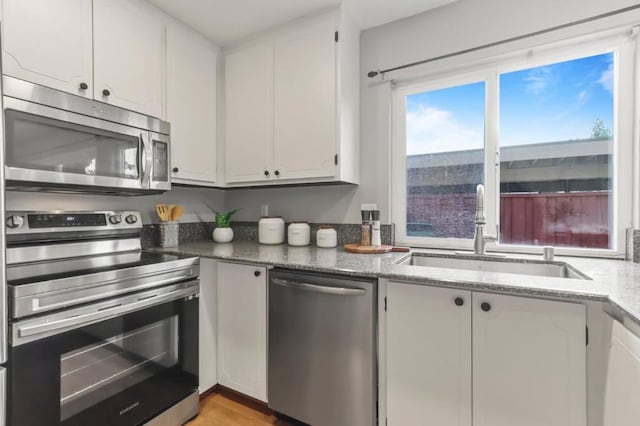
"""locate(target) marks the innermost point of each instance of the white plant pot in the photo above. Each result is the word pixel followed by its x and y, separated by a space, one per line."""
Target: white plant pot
pixel 223 235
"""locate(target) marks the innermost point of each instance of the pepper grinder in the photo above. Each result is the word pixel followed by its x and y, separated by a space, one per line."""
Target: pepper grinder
pixel 365 239
pixel 376 239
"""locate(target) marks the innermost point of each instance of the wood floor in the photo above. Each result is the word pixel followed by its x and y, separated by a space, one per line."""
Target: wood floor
pixel 223 409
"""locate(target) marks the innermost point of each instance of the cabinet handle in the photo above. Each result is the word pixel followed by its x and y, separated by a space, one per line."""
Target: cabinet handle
pixel 485 306
pixel 106 92
pixel 266 172
pixel 277 173
pixel 84 86
pixel 459 301
pixel 175 170
pixel 257 273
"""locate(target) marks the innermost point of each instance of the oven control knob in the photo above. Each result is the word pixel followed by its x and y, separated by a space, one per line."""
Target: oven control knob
pixel 131 219
pixel 14 222
pixel 115 219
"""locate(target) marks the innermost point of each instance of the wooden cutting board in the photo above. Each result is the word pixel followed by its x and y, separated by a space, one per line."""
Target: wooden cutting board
pixel 357 248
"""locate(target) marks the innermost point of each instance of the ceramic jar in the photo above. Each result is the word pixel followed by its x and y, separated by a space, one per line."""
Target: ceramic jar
pixel 299 234
pixel 326 237
pixel 271 230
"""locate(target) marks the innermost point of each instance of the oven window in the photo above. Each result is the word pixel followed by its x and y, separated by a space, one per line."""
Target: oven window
pixel 93 373
pixel 40 143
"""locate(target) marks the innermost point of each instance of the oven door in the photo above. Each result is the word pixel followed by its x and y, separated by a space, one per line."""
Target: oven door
pixel 119 362
pixel 52 147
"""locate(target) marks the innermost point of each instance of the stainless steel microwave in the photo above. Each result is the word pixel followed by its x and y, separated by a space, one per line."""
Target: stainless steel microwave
pixel 61 142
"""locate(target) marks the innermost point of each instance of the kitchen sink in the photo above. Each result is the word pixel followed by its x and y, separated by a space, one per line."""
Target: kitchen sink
pixel 497 264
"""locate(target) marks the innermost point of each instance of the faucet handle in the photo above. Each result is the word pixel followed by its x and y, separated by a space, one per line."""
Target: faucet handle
pixel 491 237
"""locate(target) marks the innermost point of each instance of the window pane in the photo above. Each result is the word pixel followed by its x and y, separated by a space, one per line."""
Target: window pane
pixel 556 139
pixel 445 160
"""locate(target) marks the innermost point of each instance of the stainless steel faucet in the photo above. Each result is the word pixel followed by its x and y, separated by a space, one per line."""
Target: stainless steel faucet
pixel 479 238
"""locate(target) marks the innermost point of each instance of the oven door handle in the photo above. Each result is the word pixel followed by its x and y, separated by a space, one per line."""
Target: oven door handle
pixel 72 322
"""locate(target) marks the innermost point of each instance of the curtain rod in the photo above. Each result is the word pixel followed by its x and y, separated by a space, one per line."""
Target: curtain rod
pixel 372 74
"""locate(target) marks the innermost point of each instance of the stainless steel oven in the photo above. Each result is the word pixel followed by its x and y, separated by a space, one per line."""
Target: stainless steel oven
pixel 100 331
pixel 58 141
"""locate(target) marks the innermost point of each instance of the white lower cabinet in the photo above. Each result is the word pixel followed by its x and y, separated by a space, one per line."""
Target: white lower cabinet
pixel 428 356
pixel 242 328
pixel 529 362
pixel 456 358
pixel 208 319
pixel 622 400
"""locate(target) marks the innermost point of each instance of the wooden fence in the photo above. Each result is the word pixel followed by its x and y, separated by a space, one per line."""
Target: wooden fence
pixel 579 219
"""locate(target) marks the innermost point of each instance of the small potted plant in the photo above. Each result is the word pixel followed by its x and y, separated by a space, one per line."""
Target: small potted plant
pixel 223 232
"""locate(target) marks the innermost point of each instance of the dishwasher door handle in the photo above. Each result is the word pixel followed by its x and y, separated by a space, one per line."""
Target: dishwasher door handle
pixel 340 291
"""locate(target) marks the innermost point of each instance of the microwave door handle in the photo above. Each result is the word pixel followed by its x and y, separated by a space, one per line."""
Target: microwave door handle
pixel 142 159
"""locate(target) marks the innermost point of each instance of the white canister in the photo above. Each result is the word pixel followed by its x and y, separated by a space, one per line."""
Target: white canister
pixel 299 234
pixel 326 237
pixel 271 230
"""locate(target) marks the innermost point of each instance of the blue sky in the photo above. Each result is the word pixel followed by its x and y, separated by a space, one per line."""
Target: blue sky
pixel 542 104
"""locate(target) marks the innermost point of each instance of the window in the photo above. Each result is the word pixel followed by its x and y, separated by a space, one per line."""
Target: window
pixel 445 160
pixel 550 136
pixel 556 145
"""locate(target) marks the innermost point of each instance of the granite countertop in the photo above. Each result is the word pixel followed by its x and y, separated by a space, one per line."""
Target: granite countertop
pixel 616 282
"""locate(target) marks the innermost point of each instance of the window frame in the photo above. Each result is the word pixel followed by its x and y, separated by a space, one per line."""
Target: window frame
pixel 489 70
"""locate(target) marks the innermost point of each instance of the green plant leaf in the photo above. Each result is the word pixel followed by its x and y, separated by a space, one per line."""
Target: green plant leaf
pixel 223 218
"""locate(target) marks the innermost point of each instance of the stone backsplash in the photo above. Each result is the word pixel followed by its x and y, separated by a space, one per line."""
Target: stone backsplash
pixel 248 231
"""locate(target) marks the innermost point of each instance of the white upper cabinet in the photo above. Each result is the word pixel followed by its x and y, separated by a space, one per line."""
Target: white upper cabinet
pixel 291 104
pixel 128 55
pixel 191 104
pixel 249 113
pixel 623 379
pixel 49 43
pixel 305 101
pixel 428 355
pixel 108 50
pixel 529 362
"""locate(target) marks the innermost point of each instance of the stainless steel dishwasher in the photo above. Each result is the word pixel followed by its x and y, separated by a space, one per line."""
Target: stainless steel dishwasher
pixel 322 340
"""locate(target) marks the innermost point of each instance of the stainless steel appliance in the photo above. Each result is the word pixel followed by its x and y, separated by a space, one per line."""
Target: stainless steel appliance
pixel 3 287
pixel 59 141
pixel 322 340
pixel 101 332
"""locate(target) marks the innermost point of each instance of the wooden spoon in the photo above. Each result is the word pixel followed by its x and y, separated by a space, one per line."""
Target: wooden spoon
pixel 176 212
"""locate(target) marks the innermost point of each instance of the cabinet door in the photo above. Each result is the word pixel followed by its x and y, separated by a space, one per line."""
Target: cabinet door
pixel 191 104
pixel 529 362
pixel 242 329
pixel 48 43
pixel 208 320
pixel 623 379
pixel 428 356
pixel 305 101
pixel 128 55
pixel 249 113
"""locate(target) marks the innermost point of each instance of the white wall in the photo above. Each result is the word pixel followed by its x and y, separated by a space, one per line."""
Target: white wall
pixel 196 202
pixel 454 27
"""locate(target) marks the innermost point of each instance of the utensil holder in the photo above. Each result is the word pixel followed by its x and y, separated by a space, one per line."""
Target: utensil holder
pixel 169 234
